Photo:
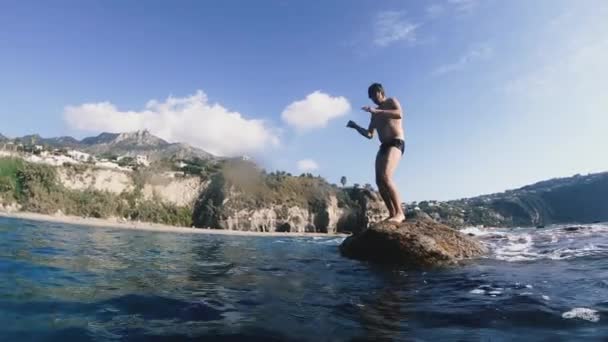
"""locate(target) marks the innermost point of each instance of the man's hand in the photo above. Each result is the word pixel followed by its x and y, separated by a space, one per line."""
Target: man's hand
pixel 351 124
pixel 369 109
pixel 368 133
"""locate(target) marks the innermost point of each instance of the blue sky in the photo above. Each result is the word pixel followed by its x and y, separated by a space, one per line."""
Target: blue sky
pixel 497 94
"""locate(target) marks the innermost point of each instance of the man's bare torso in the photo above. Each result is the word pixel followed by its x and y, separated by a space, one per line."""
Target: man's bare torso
pixel 387 128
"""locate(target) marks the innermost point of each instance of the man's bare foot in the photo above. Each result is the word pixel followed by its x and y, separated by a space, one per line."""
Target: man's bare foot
pixel 396 219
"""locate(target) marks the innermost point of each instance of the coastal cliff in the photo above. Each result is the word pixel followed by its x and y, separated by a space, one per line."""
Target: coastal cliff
pixel 243 197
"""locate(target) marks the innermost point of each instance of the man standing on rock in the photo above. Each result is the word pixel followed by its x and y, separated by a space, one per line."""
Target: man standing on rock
pixel 386 118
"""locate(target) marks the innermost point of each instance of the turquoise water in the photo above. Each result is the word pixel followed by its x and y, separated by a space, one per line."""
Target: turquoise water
pixel 72 283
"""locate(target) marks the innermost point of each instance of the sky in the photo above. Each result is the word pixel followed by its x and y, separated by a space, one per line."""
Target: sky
pixel 496 94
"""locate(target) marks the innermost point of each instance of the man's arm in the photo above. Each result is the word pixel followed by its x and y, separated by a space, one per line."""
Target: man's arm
pixel 368 133
pixel 394 113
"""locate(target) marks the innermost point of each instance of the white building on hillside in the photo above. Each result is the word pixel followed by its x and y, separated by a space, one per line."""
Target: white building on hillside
pixel 79 156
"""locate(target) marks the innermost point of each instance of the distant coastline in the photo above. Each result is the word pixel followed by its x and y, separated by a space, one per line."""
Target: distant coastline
pixel 136 176
pixel 145 226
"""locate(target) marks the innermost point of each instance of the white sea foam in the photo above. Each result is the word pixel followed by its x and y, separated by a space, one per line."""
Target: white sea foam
pixel 331 241
pixel 487 290
pixel 555 242
pixel 568 253
pixel 582 313
pixel 517 248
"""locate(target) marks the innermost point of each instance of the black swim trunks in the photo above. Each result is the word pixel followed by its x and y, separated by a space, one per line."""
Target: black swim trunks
pixel 398 143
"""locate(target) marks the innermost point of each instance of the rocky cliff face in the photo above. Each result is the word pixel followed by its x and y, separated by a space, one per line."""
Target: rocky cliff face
pixel 368 209
pixel 97 179
pixel 178 191
pixel 223 206
pixel 284 218
pixel 273 218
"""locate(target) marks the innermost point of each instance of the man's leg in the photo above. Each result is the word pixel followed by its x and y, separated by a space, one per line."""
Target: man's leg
pixel 393 156
pixel 381 160
pixel 386 197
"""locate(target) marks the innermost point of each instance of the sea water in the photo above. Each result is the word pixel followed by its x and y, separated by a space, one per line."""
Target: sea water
pixel 64 283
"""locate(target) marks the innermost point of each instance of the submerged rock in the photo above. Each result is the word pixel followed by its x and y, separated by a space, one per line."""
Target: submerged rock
pixel 575 228
pixel 418 243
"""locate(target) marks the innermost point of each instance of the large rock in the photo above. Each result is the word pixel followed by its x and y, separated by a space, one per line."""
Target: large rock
pixel 418 243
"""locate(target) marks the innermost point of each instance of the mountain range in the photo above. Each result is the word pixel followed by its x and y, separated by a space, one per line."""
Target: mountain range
pixel 129 144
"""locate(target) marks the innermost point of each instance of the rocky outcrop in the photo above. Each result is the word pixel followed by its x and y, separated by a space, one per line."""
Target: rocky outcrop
pixel 417 243
pixel 223 206
pixel 366 208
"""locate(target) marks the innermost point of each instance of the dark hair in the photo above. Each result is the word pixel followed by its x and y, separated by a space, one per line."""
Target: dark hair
pixel 374 88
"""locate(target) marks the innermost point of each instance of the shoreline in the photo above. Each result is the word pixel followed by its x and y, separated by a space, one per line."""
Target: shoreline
pixel 145 226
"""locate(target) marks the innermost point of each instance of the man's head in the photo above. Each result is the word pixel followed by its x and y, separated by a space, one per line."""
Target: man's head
pixel 376 93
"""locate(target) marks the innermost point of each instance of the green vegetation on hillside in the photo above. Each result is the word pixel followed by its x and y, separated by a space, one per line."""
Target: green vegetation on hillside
pixel 36 188
pixel 249 187
pixel 9 186
pixel 581 199
pixel 259 188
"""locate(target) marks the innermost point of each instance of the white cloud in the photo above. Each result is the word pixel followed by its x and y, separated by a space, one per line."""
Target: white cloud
pixel 305 165
pixel 190 119
pixel 478 53
pixel 391 27
pixel 315 110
